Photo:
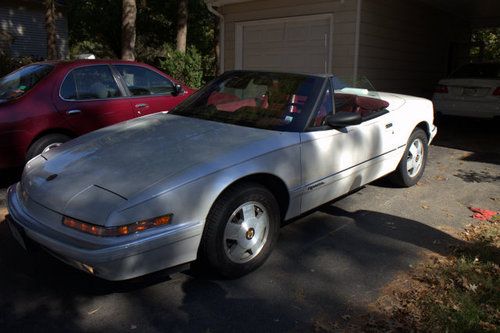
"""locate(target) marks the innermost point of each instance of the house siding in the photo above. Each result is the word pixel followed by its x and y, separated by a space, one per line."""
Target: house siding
pixel 24 22
pixel 344 25
pixel 404 45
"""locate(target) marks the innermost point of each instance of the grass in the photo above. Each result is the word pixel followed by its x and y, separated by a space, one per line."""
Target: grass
pixel 465 287
pixel 456 293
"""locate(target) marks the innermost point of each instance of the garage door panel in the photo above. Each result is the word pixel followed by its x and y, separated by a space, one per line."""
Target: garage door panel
pixel 301 45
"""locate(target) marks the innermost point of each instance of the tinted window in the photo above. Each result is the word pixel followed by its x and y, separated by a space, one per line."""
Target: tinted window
pixel 482 71
pixel 141 81
pixel 21 81
pixel 276 101
pixel 90 82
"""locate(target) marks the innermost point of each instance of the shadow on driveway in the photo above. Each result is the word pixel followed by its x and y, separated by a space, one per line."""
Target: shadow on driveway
pixel 479 136
pixel 327 264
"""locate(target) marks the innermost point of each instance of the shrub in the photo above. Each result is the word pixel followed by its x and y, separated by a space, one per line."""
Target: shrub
pixel 186 67
pixel 9 64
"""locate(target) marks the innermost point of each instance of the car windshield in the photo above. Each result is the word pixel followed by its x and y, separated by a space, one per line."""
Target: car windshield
pixel 275 101
pixel 360 86
pixel 21 81
pixel 479 71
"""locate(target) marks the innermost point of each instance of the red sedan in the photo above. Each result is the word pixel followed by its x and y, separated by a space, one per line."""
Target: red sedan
pixel 47 103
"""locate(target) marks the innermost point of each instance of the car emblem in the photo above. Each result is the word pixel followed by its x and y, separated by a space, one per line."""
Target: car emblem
pixel 51 177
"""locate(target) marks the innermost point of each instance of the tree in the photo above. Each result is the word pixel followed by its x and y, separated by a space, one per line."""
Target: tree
pixel 50 26
pixel 129 14
pixel 182 20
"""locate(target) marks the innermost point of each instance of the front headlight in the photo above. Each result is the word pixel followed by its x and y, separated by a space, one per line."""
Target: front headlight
pixel 122 230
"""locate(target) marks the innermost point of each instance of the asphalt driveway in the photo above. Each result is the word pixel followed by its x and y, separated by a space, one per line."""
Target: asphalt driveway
pixel 328 264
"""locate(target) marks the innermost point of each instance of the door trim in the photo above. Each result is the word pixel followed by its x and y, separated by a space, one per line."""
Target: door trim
pixel 238 43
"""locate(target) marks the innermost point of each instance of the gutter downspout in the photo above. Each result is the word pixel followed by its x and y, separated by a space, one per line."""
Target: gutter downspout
pixel 356 41
pixel 222 26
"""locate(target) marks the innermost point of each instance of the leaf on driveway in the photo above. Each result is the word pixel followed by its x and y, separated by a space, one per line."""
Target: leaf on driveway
pixel 93 311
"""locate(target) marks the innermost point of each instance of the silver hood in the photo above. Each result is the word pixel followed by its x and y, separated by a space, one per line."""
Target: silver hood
pixel 107 167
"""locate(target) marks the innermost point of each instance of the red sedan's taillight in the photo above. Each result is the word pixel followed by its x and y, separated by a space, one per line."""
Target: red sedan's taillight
pixel 441 89
pixel 123 230
pixel 496 92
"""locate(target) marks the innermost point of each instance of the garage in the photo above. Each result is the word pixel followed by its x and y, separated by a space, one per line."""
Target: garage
pixel 301 44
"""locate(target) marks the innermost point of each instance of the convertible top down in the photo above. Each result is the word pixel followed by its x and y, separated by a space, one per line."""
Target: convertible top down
pixel 213 179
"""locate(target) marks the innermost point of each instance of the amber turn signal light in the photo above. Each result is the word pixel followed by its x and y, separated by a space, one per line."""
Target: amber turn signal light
pixel 123 230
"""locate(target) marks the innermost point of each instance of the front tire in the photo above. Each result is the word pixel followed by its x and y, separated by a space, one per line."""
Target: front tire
pixel 411 167
pixel 241 230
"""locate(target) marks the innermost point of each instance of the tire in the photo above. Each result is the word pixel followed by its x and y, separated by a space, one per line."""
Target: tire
pixel 45 142
pixel 230 248
pixel 417 149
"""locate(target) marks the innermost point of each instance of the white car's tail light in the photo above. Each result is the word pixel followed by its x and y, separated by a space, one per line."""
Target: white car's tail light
pixel 496 92
pixel 122 230
pixel 441 89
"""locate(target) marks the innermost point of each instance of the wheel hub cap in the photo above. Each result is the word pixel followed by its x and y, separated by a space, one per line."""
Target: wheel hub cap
pixel 246 232
pixel 415 157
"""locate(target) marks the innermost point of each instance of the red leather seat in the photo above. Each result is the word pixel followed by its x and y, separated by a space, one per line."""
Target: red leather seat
pixel 220 98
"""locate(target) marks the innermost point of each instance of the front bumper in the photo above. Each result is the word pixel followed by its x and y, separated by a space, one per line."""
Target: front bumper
pixel 140 256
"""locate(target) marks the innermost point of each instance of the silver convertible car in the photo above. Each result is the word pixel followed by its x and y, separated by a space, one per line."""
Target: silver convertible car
pixel 213 179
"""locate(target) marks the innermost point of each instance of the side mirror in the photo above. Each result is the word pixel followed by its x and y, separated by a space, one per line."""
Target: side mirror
pixel 177 90
pixel 343 119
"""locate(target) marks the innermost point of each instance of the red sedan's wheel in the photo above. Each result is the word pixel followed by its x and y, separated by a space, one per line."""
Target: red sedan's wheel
pixel 45 143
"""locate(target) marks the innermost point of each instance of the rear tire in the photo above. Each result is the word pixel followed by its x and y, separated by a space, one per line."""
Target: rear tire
pixel 45 142
pixel 412 165
pixel 241 230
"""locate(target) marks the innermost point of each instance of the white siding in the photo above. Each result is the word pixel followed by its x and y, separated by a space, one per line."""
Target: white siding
pixel 25 23
pixel 344 16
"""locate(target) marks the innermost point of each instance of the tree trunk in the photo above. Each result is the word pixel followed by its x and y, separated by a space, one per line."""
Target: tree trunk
pixel 129 14
pixel 182 18
pixel 217 45
pixel 50 26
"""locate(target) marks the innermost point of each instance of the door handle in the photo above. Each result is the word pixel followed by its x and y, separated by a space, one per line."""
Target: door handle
pixel 141 105
pixel 72 112
pixel 389 125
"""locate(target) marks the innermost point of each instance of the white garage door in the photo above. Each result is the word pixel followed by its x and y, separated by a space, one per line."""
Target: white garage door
pixel 291 44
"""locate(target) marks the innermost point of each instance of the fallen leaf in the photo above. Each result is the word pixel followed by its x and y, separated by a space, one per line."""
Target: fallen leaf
pixel 472 287
pixel 93 311
pixel 425 207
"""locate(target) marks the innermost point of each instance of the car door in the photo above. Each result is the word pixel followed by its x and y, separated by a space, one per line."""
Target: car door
pixel 338 160
pixel 90 98
pixel 150 91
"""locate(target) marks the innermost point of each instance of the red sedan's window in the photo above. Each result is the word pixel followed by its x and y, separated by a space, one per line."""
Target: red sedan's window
pixel 90 82
pixel 21 81
pixel 141 81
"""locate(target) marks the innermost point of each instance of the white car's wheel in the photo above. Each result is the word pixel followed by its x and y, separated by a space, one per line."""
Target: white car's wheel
pixel 241 230
pixel 412 164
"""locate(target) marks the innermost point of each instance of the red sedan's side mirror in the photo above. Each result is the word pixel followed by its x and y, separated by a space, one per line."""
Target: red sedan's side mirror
pixel 177 90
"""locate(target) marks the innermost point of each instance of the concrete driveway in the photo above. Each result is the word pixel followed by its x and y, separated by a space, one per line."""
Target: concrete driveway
pixel 328 264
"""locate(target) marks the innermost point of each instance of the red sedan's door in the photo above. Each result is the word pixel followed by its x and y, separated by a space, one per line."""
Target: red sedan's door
pixel 150 91
pixel 90 98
